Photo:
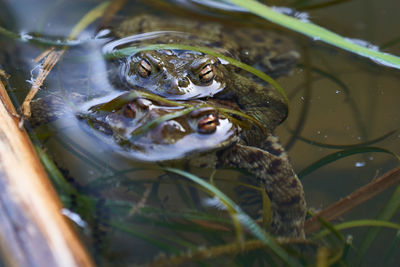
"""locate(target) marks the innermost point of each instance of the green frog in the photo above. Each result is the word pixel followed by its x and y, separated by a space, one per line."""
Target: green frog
pixel 203 134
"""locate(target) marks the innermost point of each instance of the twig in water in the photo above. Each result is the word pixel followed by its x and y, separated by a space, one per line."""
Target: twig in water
pixel 50 59
pixel 356 198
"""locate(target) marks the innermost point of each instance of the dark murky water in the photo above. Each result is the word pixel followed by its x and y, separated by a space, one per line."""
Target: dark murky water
pixel 335 98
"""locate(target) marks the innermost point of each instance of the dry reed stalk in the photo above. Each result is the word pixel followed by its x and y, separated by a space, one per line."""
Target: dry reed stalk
pixel 33 232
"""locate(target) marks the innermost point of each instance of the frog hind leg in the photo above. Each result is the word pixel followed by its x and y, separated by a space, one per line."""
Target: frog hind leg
pixel 273 170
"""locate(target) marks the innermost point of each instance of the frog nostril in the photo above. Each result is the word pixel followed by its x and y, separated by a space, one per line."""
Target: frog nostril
pixel 183 82
pixel 208 124
pixel 130 111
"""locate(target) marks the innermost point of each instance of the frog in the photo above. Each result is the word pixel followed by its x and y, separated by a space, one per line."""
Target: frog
pixel 207 83
pixel 180 74
pixel 202 134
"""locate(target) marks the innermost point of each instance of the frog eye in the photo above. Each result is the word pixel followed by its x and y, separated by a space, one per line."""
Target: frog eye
pixel 144 68
pixel 206 74
pixel 207 124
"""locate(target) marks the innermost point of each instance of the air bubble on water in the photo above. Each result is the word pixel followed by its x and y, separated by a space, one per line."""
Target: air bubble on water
pixel 360 164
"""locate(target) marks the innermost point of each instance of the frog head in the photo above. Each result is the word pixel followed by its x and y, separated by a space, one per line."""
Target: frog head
pixel 174 74
pixel 148 130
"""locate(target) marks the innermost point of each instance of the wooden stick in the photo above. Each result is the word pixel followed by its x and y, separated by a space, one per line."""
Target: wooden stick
pixel 356 198
pixel 32 230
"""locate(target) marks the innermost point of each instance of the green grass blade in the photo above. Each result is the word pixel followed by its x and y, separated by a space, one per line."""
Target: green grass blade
pixel 341 154
pixel 56 176
pixel 244 218
pixel 317 33
pixel 394 247
pixel 91 16
pixel 358 223
pixel 386 213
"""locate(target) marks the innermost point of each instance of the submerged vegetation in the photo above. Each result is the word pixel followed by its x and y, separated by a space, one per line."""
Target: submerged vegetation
pixel 191 232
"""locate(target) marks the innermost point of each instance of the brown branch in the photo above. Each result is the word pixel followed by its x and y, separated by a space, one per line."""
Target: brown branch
pixel 32 230
pixel 356 198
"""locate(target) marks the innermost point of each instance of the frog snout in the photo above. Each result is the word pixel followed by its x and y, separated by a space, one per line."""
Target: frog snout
pixel 183 82
pixel 179 86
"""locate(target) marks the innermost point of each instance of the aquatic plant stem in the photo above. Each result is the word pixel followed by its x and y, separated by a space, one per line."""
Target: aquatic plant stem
pixel 356 198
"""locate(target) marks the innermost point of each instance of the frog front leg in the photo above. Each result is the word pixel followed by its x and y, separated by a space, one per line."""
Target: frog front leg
pixel 281 183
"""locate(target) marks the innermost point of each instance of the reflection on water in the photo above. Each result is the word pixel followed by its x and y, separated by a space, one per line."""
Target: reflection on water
pixel 335 98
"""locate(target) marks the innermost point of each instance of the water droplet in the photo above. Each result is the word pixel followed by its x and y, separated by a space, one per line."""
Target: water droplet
pixel 360 164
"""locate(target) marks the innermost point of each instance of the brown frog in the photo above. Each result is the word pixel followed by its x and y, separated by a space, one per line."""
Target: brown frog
pixel 202 133
pixel 184 74
pixel 196 131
